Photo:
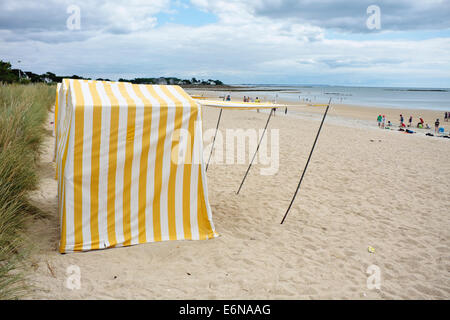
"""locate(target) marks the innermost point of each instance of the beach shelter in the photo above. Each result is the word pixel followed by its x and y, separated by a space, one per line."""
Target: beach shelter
pixel 230 105
pixel 233 105
pixel 129 165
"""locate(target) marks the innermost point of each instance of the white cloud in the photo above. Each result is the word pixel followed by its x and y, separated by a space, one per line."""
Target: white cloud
pixel 242 47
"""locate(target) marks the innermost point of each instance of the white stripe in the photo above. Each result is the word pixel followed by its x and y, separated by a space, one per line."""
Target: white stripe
pixel 194 187
pixel 62 181
pixel 166 163
pixel 183 147
pixel 151 163
pixel 68 177
pixel 121 150
pixel 135 171
pixel 87 169
pixel 103 169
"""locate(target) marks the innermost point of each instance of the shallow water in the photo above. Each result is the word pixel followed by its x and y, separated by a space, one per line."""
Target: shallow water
pixel 405 98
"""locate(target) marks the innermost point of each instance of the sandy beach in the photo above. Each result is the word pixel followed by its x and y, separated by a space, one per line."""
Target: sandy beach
pixel 364 187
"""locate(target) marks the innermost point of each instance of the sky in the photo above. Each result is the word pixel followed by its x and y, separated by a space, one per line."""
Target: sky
pixel 403 43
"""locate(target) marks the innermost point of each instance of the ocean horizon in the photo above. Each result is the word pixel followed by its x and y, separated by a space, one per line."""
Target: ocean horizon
pixel 437 99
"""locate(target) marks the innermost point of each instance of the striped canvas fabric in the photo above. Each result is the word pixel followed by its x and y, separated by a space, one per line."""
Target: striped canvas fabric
pixel 58 87
pixel 130 166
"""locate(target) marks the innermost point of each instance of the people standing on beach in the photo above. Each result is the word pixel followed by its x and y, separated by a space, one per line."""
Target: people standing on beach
pixel 245 99
pixel 383 121
pixel 436 126
pixel 410 121
pixel 446 117
pixel 379 118
pixel 401 120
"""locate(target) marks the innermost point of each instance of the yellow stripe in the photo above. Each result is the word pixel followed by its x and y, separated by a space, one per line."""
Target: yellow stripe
pixel 188 169
pixel 112 166
pixel 95 163
pixel 143 166
pixel 62 244
pixel 78 166
pixel 56 110
pixel 129 150
pixel 204 226
pixel 173 166
pixel 163 110
pixel 62 247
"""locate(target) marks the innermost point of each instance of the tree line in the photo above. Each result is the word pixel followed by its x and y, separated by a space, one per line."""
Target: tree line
pixel 9 75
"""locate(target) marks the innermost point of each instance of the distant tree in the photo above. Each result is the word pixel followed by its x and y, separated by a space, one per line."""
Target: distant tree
pixel 12 75
pixel 6 74
pixel 33 76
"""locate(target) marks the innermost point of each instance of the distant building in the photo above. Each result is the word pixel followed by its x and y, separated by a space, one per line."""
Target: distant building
pixel 162 81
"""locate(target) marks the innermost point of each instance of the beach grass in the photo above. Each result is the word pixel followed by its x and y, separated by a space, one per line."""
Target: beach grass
pixel 23 113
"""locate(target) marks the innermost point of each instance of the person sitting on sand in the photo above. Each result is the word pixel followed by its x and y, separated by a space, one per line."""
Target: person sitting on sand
pixel 379 118
pixel 436 126
pixel 389 123
pixel 257 99
pixel 420 124
pixel 228 98
pixel 427 126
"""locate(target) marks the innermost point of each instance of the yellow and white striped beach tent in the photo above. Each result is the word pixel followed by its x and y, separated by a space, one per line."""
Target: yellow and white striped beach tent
pixel 129 165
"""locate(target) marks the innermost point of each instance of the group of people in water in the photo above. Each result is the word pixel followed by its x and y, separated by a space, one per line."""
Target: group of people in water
pixel 381 119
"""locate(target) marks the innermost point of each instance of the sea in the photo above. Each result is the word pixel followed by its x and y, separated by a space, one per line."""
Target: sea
pixel 392 97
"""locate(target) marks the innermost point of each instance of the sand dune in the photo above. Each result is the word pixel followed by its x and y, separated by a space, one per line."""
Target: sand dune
pixel 364 187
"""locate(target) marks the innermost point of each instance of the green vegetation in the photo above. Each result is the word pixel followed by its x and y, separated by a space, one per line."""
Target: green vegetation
pixel 9 75
pixel 23 113
pixel 173 80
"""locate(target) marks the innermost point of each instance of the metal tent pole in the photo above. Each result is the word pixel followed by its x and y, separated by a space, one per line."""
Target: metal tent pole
pixel 257 148
pixel 214 140
pixel 307 162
